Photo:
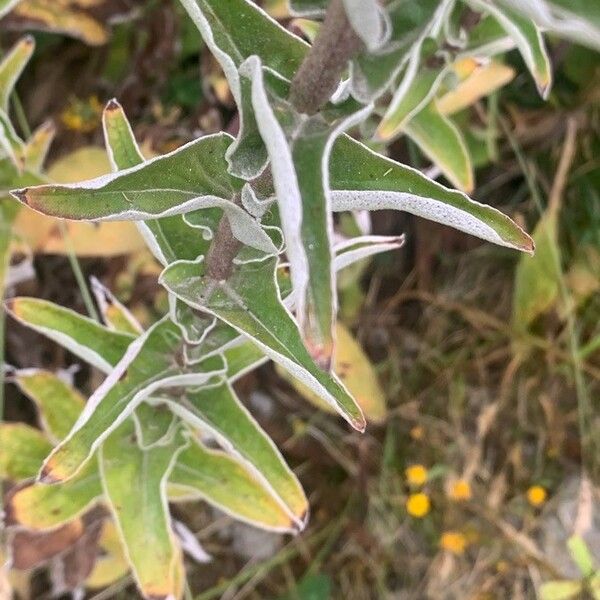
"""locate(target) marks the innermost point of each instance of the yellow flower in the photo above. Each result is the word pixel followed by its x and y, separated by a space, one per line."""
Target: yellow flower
pixel 418 505
pixel 82 115
pixel 536 495
pixel 416 475
pixel 453 541
pixel 417 432
pixel 460 490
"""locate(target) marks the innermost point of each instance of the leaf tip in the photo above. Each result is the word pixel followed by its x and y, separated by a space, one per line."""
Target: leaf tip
pixel 302 521
pixel 359 423
pixel 47 475
pixel 112 106
pixel 21 195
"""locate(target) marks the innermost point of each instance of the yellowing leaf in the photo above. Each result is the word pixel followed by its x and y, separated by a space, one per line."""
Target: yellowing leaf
pixel 22 451
pixel 64 16
pixel 442 142
pixel 43 235
pixel 353 367
pixel 537 279
pixel 481 82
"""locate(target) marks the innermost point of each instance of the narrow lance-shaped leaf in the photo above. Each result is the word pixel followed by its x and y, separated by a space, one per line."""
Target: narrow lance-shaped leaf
pixel 160 187
pixel 37 147
pixel 364 180
pixel 59 405
pixel 12 66
pixel 219 409
pixel 578 20
pixel 63 17
pixel 409 100
pixel 148 365
pixel 142 517
pixel 300 169
pixel 528 39
pixel 82 336
pixel 223 482
pixel 250 302
pixel 442 142
pixel 482 82
pixel 39 506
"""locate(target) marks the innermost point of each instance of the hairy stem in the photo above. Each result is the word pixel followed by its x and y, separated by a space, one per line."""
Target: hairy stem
pixel 312 86
pixel 222 251
pixel 319 74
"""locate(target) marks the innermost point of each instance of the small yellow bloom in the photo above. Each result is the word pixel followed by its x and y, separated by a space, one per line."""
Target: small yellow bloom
pixel 416 475
pixel 82 115
pixel 536 495
pixel 460 490
pixel 417 432
pixel 454 541
pixel 418 505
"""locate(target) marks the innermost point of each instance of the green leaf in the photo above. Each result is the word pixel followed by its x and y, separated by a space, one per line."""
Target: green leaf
pixel 156 188
pixel 224 483
pixel 160 187
pixel 537 278
pixel 249 302
pixel 142 517
pixel 40 506
pixel 560 590
pixel 37 147
pixel 577 20
pixel 219 409
pixel 409 99
pixel 123 150
pixel 581 555
pixel 82 336
pixel 59 404
pixel 149 364
pixel 411 22
pixel 364 180
pixel 442 142
pixel 114 314
pixel 22 451
pixel 12 66
pixel 528 39
pixel 233 30
pixel 11 143
pixel 301 180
